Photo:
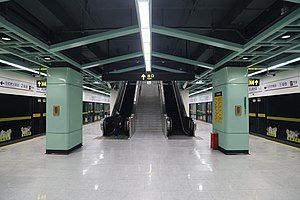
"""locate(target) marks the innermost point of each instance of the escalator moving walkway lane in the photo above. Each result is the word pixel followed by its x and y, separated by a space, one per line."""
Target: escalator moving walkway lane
pixel 148 113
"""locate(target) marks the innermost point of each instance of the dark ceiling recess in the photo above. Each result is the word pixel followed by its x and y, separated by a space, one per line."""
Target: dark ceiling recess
pixel 235 21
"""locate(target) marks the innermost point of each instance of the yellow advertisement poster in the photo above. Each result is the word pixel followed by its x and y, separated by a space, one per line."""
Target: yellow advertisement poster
pixel 218 107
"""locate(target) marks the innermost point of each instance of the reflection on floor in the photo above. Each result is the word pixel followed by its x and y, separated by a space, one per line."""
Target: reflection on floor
pixel 148 168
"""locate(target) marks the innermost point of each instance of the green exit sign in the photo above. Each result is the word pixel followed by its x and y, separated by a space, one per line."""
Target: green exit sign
pixel 41 83
pixel 253 82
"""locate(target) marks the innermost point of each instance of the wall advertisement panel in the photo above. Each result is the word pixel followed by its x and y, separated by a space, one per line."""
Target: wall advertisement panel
pixel 218 107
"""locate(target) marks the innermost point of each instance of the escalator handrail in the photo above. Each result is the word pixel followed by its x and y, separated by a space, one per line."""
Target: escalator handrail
pixel 184 114
pixel 120 98
pixel 162 97
pixel 180 101
pixel 136 96
pixel 180 112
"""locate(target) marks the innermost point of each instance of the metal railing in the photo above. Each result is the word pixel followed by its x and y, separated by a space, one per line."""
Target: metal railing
pixel 132 118
pixel 166 121
pixel 185 121
pixel 131 125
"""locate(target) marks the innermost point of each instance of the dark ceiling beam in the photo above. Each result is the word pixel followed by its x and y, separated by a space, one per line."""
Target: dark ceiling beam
pixel 197 38
pixel 234 12
pixel 28 37
pixel 168 69
pixel 186 20
pixel 128 69
pixel 182 60
pixel 66 20
pixel 134 68
pixel 59 13
pixel 94 38
pixel 226 21
pixel 12 11
pixel 112 60
pixel 284 21
pixel 265 19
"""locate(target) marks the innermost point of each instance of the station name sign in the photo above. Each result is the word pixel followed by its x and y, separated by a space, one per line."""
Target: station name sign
pixel 253 82
pixel 148 76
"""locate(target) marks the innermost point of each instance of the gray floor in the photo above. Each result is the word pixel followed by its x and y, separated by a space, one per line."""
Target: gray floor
pixel 149 168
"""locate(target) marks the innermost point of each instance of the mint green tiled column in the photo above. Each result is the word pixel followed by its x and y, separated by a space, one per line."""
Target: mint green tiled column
pixel 63 125
pixel 230 95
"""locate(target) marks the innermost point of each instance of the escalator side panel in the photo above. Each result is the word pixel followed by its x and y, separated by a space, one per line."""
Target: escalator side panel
pixel 181 123
pixel 172 110
pixel 127 104
pixel 124 107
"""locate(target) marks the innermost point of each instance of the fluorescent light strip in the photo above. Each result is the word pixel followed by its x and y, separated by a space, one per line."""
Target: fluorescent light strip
pixel 144 19
pixel 275 66
pixel 88 88
pixel 144 12
pixel 258 72
pixel 201 91
pixel 22 67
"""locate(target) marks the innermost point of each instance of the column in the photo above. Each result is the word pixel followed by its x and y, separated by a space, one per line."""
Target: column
pixel 64 110
pixel 230 109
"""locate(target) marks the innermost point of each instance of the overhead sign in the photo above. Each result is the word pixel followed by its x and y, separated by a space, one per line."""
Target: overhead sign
pixel 253 82
pixel 281 84
pixel 154 76
pixel 41 83
pixel 147 76
pixel 16 84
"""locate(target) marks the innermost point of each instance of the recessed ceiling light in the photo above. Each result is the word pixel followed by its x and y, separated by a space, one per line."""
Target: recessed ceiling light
pixel 6 38
pixel 47 58
pixel 245 58
pixel 285 36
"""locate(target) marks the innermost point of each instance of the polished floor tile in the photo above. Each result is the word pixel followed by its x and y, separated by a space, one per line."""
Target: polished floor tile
pixel 149 166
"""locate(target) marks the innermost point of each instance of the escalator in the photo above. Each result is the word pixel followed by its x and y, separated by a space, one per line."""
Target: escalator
pixel 149 124
pixel 181 124
pixel 117 124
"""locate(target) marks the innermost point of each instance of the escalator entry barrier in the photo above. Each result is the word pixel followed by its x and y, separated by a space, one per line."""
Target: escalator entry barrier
pixel 214 140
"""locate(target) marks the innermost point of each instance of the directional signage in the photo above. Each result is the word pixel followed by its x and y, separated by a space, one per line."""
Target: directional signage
pixel 149 76
pixel 41 83
pixel 16 84
pixel 253 82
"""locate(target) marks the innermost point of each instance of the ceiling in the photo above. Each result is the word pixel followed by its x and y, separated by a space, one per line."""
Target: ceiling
pixel 99 36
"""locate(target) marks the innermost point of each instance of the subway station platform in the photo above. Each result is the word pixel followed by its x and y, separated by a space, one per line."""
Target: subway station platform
pixel 150 100
pixel 149 168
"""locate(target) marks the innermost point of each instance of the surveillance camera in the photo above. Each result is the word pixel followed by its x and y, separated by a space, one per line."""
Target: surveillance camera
pixel 36 75
pixel 271 74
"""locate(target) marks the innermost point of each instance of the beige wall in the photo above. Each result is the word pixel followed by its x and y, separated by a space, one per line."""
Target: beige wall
pixel 185 100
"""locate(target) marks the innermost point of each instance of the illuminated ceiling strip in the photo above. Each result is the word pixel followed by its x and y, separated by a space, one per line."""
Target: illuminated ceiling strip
pixel 144 17
pixel 92 89
pixel 200 91
pixel 22 67
pixel 275 66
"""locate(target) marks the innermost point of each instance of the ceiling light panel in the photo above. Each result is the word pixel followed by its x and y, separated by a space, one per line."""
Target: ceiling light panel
pixel 144 16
